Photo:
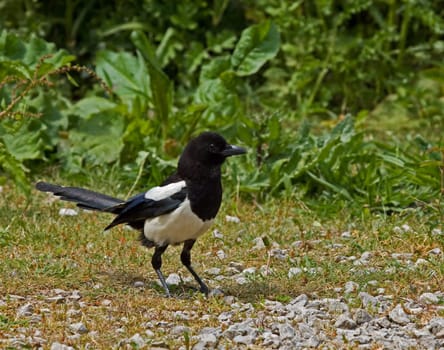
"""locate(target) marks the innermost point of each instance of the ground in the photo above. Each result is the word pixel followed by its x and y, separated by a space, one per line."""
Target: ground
pixel 279 271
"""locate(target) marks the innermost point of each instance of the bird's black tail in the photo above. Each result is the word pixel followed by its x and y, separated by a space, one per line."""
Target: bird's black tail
pixel 85 199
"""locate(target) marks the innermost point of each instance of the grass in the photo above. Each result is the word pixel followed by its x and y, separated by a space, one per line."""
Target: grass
pixel 42 251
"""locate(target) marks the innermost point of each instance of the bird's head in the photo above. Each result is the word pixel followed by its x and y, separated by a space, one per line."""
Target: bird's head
pixel 208 149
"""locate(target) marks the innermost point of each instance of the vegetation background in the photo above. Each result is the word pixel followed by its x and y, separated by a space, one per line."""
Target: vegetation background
pixel 337 100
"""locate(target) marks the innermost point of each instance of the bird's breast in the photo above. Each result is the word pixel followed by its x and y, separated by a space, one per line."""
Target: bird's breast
pixel 176 227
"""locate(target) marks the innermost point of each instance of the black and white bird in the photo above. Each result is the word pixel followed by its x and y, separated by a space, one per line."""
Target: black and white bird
pixel 178 211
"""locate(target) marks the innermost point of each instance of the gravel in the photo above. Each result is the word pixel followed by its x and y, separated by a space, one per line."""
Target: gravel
pixel 300 323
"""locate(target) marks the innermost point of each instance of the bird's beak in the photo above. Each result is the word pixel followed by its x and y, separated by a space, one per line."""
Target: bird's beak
pixel 232 150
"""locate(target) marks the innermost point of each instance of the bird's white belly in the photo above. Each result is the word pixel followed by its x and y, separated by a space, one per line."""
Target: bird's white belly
pixel 176 227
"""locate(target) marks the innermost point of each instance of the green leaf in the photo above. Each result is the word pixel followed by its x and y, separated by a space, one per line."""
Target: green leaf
pixel 128 26
pixel 91 105
pixel 19 57
pixel 127 74
pixel 258 44
pixel 99 138
pixel 14 168
pixel 14 69
pixel 161 86
pixel 24 143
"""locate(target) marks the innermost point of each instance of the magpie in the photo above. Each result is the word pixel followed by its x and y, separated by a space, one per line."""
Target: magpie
pixel 178 211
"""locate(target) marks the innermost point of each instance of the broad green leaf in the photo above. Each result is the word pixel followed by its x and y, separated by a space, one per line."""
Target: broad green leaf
pixel 91 105
pixel 127 74
pixel 215 68
pixel 14 69
pixel 11 47
pixel 24 143
pixel 258 44
pixel 99 138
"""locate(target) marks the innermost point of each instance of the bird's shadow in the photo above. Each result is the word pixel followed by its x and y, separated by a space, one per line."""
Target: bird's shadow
pixel 253 291
pixel 133 281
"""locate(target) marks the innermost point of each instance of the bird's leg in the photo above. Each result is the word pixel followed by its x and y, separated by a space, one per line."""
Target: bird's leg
pixel 185 257
pixel 156 262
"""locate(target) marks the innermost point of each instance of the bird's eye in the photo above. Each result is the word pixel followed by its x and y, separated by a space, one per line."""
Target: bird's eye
pixel 212 148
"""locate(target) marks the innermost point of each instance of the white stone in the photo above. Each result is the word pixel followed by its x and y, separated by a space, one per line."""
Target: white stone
pixel 173 279
pixel 78 327
pixel 286 331
pixel 435 251
pixel 258 243
pixel 294 271
pixel 25 310
pixel 436 232
pixel 137 340
pixel 345 322
pixel 241 280
pixel 221 254
pixel 58 346
pixel 428 298
pixel 214 271
pixel 67 212
pixel 207 338
pixel 234 219
pixel 350 287
pixel 346 234
pixel 421 262
pixel 218 234
pixel 406 228
pixel 249 271
pixel 139 284
pixel 399 316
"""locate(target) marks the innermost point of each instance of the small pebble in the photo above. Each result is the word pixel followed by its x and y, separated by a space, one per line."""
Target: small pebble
pixel 57 299
pixel 249 271
pixel 217 234
pixel 139 284
pixel 350 287
pixel 428 298
pixel 344 321
pixel 293 272
pixel 173 279
pixel 258 243
pixel 436 232
pixel 59 346
pixel 67 212
pixel 234 219
pixel 399 316
pixel 241 280
pixel 25 310
pixel 137 340
pixel 78 327
pixel 214 271
pixel 362 316
pixel 346 234
pixel 221 254
pixel 435 251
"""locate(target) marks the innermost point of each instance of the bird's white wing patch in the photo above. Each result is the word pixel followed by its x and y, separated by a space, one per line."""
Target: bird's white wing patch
pixel 161 192
pixel 175 227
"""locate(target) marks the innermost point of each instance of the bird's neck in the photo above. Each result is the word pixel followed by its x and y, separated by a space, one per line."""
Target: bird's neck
pixel 205 196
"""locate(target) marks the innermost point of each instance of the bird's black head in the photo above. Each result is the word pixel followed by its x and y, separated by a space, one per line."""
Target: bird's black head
pixel 209 149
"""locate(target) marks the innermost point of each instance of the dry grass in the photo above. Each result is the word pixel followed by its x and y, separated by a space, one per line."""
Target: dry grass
pixel 42 251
